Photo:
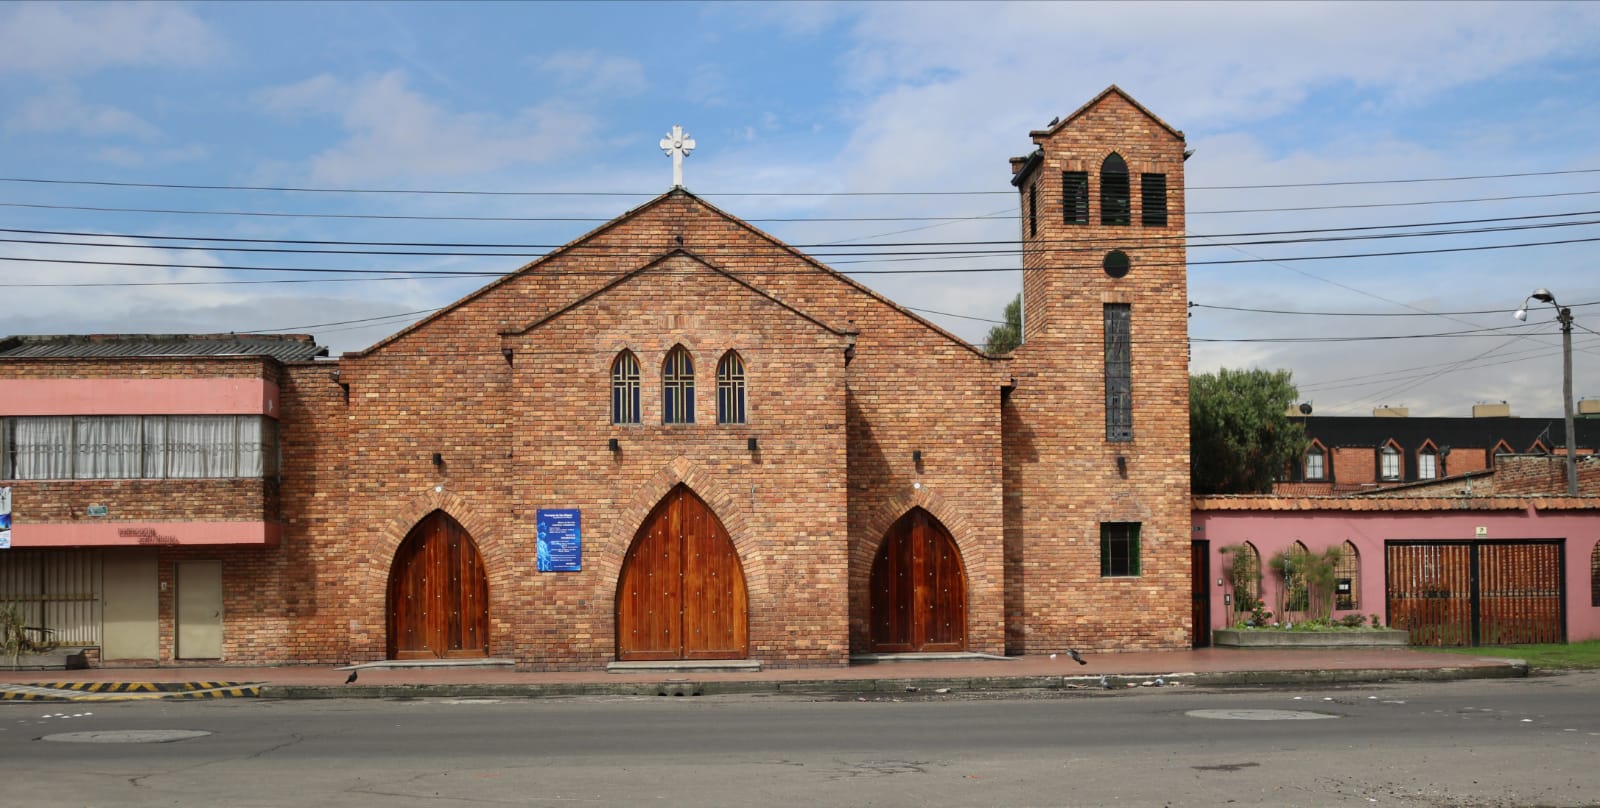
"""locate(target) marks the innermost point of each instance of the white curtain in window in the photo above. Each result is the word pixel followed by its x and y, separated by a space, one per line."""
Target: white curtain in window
pixel 106 446
pixel 201 445
pixel 251 447
pixel 44 448
pixel 155 447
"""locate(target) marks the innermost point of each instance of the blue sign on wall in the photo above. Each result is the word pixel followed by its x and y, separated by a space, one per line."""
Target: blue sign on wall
pixel 560 546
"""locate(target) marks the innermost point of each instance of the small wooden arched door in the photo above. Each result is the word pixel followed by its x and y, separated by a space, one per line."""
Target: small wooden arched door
pixel 681 594
pixel 438 594
pixel 919 594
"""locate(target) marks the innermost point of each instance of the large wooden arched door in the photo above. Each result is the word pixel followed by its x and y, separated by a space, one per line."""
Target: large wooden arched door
pixel 919 594
pixel 438 594
pixel 681 594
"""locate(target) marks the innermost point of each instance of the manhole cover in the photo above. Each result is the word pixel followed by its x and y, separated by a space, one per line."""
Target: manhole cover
pixel 1258 715
pixel 128 736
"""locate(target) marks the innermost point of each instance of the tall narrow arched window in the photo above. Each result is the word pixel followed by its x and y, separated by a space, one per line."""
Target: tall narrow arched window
pixel 1244 575
pixel 677 387
pixel 1115 208
pixel 1347 578
pixel 625 389
pixel 1296 596
pixel 730 389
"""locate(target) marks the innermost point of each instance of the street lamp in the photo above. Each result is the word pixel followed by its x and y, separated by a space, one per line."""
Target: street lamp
pixel 1564 317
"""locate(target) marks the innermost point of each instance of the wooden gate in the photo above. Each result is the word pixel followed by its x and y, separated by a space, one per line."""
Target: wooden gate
pixel 1477 592
pixel 919 595
pixel 438 594
pixel 681 594
pixel 1200 592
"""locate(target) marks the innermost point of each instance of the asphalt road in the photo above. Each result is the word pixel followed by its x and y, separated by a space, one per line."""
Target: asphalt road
pixel 1474 743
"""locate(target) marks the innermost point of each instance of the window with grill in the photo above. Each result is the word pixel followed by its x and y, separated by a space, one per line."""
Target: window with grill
pixel 1153 200
pixel 1114 191
pixel 1347 578
pixel 111 447
pixel 1119 372
pixel 1119 549
pixel 1594 576
pixel 1033 209
pixel 625 389
pixel 730 389
pixel 1244 575
pixel 1075 196
pixel 1389 464
pixel 1296 593
pixel 677 387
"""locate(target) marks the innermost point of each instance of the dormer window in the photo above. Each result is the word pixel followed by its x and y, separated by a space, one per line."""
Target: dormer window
pixel 1315 464
pixel 1389 464
pixel 1427 464
pixel 1115 205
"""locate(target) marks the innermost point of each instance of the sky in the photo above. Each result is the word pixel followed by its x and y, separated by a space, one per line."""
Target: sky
pixel 1315 127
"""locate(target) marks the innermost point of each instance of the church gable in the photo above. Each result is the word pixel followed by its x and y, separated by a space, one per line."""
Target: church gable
pixel 675 221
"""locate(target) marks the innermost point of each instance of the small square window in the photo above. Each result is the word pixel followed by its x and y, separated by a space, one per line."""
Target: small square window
pixel 1119 549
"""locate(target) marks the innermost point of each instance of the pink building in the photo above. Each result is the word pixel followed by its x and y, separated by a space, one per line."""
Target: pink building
pixel 1453 569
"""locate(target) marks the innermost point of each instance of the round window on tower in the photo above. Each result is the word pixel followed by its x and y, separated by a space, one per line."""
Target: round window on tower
pixel 1116 263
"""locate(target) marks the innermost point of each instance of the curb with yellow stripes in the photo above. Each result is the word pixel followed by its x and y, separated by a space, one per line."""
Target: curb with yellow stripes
pixel 127 691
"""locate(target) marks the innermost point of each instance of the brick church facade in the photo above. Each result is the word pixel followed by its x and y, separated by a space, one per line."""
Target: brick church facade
pixel 675 438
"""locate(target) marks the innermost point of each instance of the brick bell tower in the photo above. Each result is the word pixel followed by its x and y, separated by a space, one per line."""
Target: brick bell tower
pixel 1096 424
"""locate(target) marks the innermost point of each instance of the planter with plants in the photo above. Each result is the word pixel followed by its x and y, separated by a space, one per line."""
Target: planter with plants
pixel 1350 631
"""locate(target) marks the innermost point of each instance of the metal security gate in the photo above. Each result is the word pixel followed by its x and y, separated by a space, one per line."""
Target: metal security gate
pixel 57 590
pixel 1477 592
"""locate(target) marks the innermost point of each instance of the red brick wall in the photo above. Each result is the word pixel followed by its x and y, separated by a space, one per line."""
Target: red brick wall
pixel 806 511
pixel 1062 476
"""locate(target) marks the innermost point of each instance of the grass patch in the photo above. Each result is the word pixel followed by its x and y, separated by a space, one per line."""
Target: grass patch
pixel 1548 656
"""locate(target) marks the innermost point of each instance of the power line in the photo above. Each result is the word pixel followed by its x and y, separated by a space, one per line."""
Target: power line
pixel 597 220
pixel 1361 313
pixel 873 250
pixel 912 271
pixel 463 192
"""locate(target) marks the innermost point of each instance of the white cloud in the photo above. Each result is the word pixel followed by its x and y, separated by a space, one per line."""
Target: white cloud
pixel 394 131
pixel 81 38
pixel 590 72
pixel 64 111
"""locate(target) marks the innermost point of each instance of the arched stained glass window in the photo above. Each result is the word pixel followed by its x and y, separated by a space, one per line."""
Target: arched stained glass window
pixel 625 389
pixel 730 389
pixel 677 387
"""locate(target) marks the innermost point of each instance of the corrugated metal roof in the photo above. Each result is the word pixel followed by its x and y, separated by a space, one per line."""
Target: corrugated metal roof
pixel 283 347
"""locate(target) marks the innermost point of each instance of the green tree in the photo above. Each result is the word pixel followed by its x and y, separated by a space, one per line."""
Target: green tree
pixel 1239 430
pixel 1006 338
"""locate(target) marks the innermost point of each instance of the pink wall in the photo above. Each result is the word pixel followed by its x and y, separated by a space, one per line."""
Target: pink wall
pixel 1275 531
pixel 144 534
pixel 225 396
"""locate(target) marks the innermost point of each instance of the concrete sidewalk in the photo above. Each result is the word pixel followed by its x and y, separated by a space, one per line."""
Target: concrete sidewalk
pixel 1211 667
